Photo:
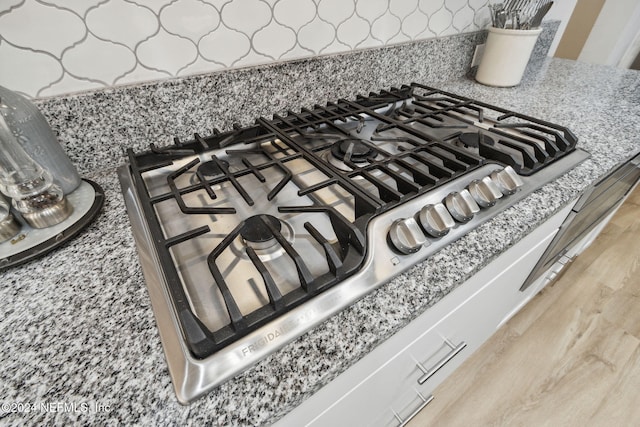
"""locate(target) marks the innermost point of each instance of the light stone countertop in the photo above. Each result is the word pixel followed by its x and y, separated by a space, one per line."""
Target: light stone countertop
pixel 78 328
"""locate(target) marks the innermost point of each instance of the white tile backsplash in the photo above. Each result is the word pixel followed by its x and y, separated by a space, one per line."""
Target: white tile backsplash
pixel 274 40
pixel 43 28
pixel 51 47
pixel 122 23
pixel 224 46
pixel 98 60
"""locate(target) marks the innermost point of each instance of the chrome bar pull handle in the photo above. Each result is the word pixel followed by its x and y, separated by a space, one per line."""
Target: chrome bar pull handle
pixel 425 402
pixel 454 351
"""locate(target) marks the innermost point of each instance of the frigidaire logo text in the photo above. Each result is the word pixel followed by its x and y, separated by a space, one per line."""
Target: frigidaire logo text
pixel 268 337
pixel 264 340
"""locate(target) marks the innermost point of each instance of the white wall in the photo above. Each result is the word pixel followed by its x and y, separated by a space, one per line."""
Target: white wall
pixel 632 52
pixel 615 37
pixel 613 32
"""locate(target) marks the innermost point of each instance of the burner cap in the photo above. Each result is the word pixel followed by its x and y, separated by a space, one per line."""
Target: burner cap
pixel 470 139
pixel 255 230
pixel 360 152
pixel 211 168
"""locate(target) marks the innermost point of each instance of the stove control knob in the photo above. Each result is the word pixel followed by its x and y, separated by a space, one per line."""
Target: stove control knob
pixel 406 236
pixel 436 220
pixel 485 192
pixel 461 206
pixel 507 180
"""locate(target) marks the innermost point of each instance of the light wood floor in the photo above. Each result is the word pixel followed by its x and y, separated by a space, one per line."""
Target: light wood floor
pixel 571 357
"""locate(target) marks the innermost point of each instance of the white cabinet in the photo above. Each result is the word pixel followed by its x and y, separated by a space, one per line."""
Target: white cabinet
pixel 396 379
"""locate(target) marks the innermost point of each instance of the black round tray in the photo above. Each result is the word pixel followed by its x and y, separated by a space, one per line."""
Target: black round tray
pixel 60 238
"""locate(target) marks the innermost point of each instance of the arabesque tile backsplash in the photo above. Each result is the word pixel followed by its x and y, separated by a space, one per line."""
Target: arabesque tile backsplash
pixel 52 47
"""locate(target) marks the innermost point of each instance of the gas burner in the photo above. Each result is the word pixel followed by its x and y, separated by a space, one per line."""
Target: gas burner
pixel 471 139
pixel 211 169
pixel 255 230
pixel 208 170
pixel 350 150
pixel 256 234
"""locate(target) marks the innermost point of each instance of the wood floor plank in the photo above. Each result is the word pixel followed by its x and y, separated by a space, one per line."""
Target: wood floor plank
pixel 621 309
pixel 590 367
pixel 634 197
pixel 618 261
pixel 570 357
pixel 619 407
pixel 625 217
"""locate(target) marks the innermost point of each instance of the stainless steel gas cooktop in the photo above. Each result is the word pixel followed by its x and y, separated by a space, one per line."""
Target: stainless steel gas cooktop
pixel 251 237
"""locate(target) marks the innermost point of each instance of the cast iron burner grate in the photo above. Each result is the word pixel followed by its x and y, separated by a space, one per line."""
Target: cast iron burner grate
pixel 403 143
